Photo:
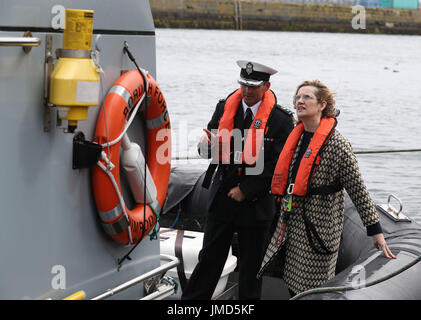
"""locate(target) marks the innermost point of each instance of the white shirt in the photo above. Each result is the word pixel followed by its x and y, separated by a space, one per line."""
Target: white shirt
pixel 253 108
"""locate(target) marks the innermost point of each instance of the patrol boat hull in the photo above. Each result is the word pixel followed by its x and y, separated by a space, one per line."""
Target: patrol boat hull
pixel 52 243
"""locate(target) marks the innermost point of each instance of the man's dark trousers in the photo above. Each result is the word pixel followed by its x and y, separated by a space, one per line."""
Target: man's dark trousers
pixel 218 234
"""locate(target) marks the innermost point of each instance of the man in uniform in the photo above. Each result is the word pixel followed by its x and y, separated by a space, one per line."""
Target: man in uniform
pixel 239 199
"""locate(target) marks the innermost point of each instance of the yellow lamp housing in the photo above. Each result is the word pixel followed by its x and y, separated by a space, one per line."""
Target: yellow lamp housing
pixel 74 83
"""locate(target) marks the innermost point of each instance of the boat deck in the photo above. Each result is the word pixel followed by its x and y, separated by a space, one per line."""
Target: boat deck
pixel 272 289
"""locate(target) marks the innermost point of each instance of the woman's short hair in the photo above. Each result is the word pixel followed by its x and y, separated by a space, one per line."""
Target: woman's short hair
pixel 322 94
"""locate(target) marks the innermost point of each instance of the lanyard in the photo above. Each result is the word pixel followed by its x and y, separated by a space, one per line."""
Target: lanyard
pixel 287 205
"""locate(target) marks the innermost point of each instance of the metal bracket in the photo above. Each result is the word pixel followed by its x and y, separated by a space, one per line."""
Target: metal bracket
pixel 238 155
pixel 72 53
pixel 48 69
pixel 393 213
pixel 85 153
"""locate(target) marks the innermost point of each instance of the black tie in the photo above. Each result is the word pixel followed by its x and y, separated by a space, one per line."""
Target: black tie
pixel 248 119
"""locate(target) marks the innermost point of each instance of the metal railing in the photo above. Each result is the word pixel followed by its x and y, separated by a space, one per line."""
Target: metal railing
pixel 173 262
pixel 19 42
pixel 26 42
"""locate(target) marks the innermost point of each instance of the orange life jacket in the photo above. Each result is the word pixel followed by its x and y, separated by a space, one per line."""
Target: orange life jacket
pixel 309 161
pixel 256 131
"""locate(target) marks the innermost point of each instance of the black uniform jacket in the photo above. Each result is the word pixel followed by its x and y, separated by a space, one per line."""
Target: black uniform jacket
pixel 259 205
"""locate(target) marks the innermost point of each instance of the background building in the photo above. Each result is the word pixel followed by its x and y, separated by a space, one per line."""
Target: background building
pixel 397 4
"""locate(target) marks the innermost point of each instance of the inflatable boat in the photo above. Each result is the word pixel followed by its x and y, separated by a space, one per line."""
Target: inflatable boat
pixel 362 271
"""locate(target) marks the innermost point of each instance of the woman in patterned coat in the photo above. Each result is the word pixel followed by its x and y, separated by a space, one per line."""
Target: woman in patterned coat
pixel 315 166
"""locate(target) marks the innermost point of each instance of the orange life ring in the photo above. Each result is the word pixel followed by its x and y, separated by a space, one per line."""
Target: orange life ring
pixel 124 225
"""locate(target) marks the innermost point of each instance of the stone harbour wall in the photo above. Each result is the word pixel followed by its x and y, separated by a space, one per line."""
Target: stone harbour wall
pixel 279 16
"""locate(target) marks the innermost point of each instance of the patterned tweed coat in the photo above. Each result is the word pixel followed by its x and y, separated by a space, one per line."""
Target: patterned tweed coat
pixel 304 268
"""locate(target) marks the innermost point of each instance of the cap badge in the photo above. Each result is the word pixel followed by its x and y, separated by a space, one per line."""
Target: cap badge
pixel 257 124
pixel 249 68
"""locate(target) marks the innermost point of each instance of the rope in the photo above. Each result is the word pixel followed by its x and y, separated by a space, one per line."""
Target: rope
pixel 146 82
pixel 107 169
pixel 176 218
pixel 153 236
pixel 385 151
pixel 155 232
pixel 127 125
pixel 355 152
pixel 95 58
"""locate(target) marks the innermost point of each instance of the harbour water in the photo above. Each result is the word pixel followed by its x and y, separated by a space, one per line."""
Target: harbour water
pixel 377 80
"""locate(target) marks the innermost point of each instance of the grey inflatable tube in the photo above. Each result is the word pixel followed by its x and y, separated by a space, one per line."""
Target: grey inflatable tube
pixel 362 271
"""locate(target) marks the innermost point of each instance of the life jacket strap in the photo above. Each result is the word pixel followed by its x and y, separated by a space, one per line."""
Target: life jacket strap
pixel 209 174
pixel 325 190
pixel 312 232
pixel 179 254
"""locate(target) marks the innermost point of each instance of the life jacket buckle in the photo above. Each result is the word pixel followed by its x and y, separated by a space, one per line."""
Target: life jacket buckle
pixel 238 155
pixel 290 188
pixel 287 203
